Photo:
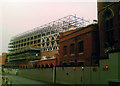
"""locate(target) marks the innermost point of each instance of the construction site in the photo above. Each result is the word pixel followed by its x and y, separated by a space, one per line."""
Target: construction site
pixel 42 42
pixel 89 53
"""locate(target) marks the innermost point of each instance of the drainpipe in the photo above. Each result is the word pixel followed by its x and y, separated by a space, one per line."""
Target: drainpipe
pixel 76 57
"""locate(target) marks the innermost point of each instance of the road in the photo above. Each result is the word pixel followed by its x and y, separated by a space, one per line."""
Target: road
pixel 17 80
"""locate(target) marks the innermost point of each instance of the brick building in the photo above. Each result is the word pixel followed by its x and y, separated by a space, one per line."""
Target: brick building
pixel 0 60
pixel 80 46
pixel 3 59
pixel 49 59
pixel 40 45
pixel 109 27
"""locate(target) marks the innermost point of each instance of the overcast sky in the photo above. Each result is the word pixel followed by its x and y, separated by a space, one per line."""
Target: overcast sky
pixel 20 16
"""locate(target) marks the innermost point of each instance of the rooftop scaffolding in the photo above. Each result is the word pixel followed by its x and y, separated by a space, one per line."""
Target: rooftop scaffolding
pixel 60 25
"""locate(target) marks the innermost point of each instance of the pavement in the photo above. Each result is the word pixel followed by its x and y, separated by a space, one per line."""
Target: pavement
pixel 17 80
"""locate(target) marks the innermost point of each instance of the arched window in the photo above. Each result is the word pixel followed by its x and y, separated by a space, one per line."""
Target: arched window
pixel 108 26
pixel 42 66
pixel 47 65
pixel 51 65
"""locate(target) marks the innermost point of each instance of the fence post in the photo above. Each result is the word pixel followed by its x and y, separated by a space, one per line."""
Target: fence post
pixel 54 74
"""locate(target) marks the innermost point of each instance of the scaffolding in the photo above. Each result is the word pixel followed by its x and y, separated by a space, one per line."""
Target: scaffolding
pixel 46 37
pixel 60 25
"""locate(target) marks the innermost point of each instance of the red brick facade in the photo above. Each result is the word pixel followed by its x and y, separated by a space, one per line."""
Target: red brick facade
pixel 46 63
pixel 109 27
pixel 50 53
pixel 88 37
pixel 0 60
pixel 36 64
pixel 3 58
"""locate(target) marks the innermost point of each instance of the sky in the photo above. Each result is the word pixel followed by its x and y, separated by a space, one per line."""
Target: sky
pixel 18 16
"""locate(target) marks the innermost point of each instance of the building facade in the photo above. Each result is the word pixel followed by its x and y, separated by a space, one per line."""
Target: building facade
pixel 0 60
pixel 80 46
pixel 41 43
pixel 109 27
pixel 3 59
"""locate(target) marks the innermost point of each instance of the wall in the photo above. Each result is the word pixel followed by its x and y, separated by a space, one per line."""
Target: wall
pixel 0 60
pixel 119 66
pixel 10 71
pixel 49 62
pixel 114 8
pixel 78 76
pixel 88 35
pixel 114 66
pixel 113 73
pixel 45 74
pixel 49 54
pixel 4 56
pixel 90 75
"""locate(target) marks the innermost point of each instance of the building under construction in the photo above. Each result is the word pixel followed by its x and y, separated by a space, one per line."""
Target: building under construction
pixel 42 42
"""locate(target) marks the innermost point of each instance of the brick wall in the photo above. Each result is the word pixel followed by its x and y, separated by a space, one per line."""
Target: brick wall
pixel 4 56
pixel 115 9
pixel 89 36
